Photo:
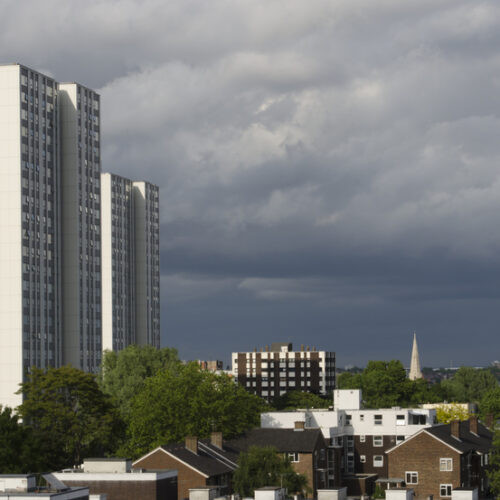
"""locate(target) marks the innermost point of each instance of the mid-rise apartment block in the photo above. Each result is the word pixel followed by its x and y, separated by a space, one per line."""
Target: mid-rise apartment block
pixel 50 227
pixel 277 370
pixel 130 263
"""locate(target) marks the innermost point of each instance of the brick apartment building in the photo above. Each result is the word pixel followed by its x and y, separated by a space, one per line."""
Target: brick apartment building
pixel 440 459
pixel 277 370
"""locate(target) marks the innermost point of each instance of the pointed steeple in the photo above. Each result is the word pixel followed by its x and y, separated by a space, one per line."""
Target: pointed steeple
pixel 415 371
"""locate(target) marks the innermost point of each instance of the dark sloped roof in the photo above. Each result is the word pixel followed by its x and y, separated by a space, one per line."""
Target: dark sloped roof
pixel 468 441
pixel 284 440
pixel 210 460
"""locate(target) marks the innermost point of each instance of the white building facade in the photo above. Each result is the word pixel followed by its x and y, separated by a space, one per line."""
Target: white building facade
pixel 147 262
pixel 50 233
pixel 30 227
pixel 130 263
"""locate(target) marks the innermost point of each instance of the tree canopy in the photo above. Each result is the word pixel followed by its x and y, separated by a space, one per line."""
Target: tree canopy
pixel 489 406
pixel 494 468
pixel 263 466
pixel 384 384
pixel 16 442
pixel 69 414
pixel 188 401
pixel 469 384
pixel 296 399
pixel 453 411
pixel 123 373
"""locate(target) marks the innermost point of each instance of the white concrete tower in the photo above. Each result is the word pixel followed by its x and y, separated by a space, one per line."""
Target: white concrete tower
pixel 30 226
pixel 415 371
pixel 81 225
pixel 147 263
pixel 118 262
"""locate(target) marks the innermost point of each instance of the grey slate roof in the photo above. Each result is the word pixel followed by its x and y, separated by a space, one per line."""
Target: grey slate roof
pixel 284 440
pixel 468 440
pixel 212 461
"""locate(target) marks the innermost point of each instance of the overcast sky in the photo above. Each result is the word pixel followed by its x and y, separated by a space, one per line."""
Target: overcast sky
pixel 329 170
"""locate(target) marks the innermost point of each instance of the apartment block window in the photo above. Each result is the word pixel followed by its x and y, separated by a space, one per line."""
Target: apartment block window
pixel 445 490
pixel 378 441
pixel 362 438
pixel 411 477
pixel 377 419
pixel 400 420
pixel 378 461
pixel 399 439
pixel 446 464
pixel 361 418
pixel 348 420
pixel 362 459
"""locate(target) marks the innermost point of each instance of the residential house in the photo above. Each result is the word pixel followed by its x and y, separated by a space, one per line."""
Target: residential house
pixel 439 459
pixel 199 463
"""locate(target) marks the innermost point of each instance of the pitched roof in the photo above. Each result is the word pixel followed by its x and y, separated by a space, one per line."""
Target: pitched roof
pixel 284 440
pixel 213 461
pixel 468 441
pixel 210 460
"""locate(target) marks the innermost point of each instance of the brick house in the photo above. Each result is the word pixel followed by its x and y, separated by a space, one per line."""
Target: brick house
pixel 212 462
pixel 306 449
pixel 199 463
pixel 439 459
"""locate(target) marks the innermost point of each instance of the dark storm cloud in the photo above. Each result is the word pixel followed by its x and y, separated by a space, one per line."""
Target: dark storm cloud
pixel 329 170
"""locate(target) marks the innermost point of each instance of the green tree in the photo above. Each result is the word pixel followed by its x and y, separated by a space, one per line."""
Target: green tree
pixel 263 466
pixel 469 384
pixel 69 414
pixel 16 457
pixel 489 406
pixel 494 468
pixel 384 384
pixel 453 411
pixel 123 374
pixel 188 401
pixel 348 380
pixel 297 399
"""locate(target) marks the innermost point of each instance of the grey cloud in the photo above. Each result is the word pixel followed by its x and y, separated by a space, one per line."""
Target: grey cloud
pixel 323 165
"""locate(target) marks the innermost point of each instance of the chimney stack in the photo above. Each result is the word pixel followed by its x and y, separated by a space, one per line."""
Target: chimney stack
pixel 473 424
pixel 192 444
pixel 455 429
pixel 216 439
pixel 302 347
pixel 299 425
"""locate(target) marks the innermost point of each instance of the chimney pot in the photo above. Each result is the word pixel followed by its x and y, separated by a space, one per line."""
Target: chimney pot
pixel 302 347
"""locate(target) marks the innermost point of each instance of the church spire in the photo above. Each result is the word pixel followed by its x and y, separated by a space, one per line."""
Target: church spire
pixel 415 371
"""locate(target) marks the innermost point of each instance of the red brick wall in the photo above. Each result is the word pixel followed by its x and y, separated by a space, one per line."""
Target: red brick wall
pixel 421 454
pixel 165 489
pixel 186 478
